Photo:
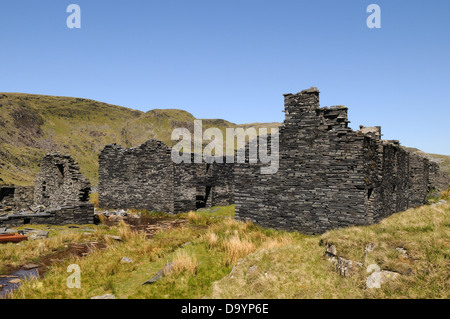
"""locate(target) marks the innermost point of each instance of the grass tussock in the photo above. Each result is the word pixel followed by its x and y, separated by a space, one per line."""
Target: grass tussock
pixel 211 238
pixel 183 262
pixel 237 248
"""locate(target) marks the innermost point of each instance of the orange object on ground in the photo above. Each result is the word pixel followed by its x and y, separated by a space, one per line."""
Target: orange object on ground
pixel 12 238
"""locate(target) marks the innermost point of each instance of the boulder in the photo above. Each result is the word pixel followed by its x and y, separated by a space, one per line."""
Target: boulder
pixel 30 266
pixel 126 260
pixel 377 278
pixel 167 269
pixel 39 234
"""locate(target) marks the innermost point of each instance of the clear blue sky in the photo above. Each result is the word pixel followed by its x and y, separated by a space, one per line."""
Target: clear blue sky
pixel 234 59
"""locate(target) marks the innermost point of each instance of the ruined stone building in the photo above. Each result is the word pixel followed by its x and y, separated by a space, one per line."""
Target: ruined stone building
pixel 145 177
pixel 60 196
pixel 60 182
pixel 331 176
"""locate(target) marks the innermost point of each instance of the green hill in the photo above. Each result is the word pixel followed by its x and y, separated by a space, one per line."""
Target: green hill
pixel 33 125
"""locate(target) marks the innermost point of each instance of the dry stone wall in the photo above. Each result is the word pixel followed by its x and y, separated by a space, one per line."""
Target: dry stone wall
pixel 140 177
pixel 16 198
pixel 60 182
pixel 145 177
pixel 80 214
pixel 60 196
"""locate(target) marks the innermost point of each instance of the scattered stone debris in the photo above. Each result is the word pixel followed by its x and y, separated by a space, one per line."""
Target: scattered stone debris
pixel 332 249
pixel 439 203
pixel 37 234
pixel 30 266
pixel 115 215
pixel 38 209
pixel 163 226
pixel 402 251
pixel 5 230
pixel 117 238
pixel 167 269
pixel 107 296
pixel 377 278
pixel 344 267
pixel 15 281
pixel 369 248
pixel 126 260
pixel 234 268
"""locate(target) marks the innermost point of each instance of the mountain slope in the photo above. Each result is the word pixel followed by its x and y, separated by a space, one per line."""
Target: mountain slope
pixel 33 125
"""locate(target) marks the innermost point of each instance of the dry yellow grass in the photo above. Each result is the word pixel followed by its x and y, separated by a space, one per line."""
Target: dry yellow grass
pixel 211 238
pixel 300 270
pixel 183 262
pixel 125 232
pixel 236 248
pixel 281 241
pixel 445 194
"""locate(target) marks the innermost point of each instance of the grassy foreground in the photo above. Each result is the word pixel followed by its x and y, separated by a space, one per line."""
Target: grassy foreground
pixel 216 257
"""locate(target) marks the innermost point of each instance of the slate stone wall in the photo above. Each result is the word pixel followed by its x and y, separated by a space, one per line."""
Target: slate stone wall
pixel 60 182
pixel 60 196
pixel 140 177
pixel 80 214
pixel 329 175
pixel 16 198
pixel 146 178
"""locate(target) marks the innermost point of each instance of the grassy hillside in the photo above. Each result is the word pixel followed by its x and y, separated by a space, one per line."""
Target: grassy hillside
pixel 33 125
pixel 218 257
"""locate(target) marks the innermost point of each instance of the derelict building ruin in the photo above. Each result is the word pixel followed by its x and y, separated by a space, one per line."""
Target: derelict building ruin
pixel 60 196
pixel 330 176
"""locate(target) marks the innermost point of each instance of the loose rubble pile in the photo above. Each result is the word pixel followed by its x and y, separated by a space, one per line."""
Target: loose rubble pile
pixel 115 214
pixel 347 267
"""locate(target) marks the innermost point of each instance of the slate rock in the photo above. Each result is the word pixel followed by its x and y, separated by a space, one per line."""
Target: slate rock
pixel 107 296
pixel 166 269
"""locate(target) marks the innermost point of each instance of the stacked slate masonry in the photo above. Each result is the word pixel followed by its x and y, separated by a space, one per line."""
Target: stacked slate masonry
pixel 14 197
pixel 330 176
pixel 60 196
pixel 60 182
pixel 145 177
